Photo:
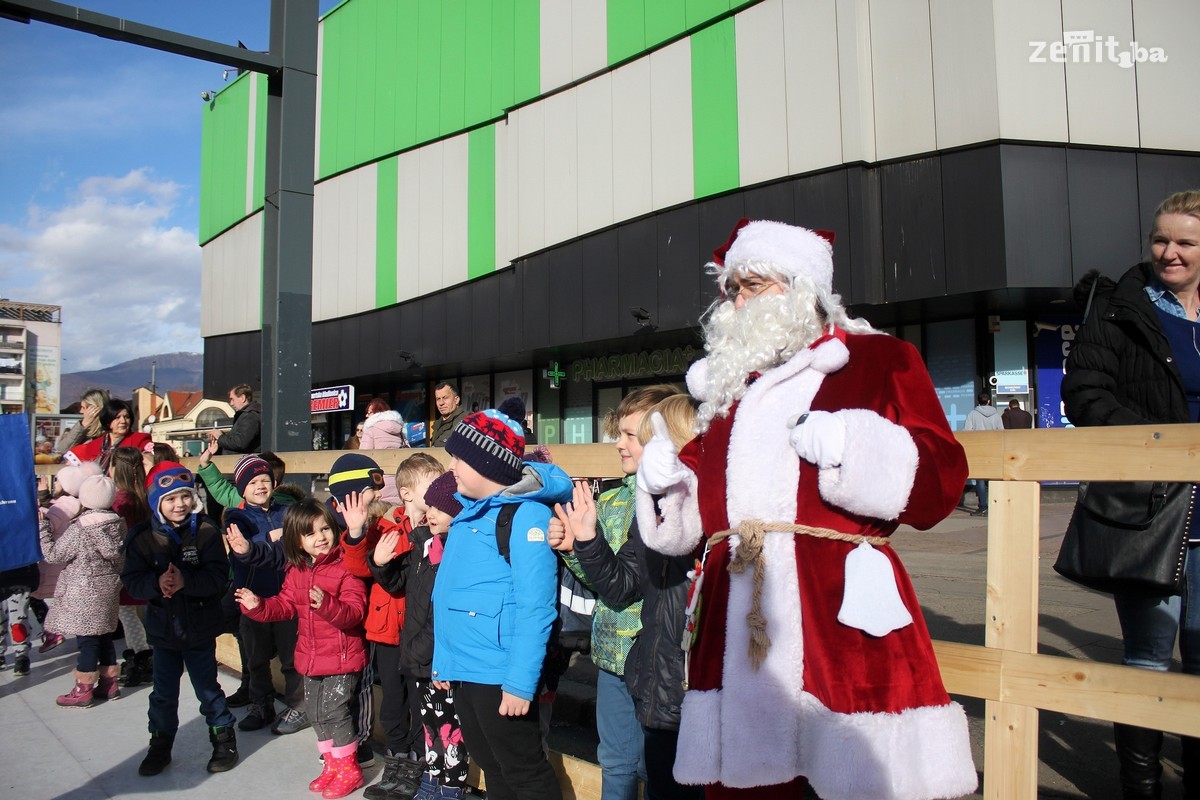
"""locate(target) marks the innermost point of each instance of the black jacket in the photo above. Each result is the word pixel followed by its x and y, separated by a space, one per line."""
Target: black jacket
pixel 1121 370
pixel 654 670
pixel 410 574
pixel 191 618
pixel 246 434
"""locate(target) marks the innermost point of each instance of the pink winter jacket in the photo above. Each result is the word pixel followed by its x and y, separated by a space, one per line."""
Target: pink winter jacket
pixel 329 639
pixel 385 431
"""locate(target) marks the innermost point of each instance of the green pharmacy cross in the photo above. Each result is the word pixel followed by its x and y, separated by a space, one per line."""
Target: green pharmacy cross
pixel 555 375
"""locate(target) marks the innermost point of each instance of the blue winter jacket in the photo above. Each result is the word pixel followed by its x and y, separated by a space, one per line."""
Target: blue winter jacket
pixel 492 618
pixel 262 569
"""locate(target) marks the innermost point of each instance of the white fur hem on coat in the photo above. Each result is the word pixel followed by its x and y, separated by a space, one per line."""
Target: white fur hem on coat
pixel 917 754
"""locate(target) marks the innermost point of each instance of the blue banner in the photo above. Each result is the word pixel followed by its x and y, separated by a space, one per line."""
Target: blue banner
pixel 18 495
pixel 1051 347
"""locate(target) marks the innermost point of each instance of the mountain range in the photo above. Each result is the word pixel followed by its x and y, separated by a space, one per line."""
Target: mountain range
pixel 180 372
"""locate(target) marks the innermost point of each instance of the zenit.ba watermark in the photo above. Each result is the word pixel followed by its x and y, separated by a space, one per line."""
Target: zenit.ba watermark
pixel 1085 47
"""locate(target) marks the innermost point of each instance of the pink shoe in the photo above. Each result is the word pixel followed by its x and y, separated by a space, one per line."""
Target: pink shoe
pixel 347 777
pixel 82 695
pixel 50 641
pixel 326 777
pixel 108 686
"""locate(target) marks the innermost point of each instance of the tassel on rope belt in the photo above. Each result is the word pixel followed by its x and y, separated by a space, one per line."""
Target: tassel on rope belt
pixel 749 553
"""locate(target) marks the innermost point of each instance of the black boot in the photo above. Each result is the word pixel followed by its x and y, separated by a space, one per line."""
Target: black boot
pixel 225 753
pixel 160 754
pixel 389 779
pixel 408 779
pixel 1141 771
pixel 126 666
pixel 141 670
pixel 1191 768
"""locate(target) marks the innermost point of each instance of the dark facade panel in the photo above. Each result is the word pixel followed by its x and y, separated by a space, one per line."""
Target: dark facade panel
pixel 599 301
pixel 680 264
pixel 774 201
pixel 637 273
pixel 412 333
pixel 487 319
pixel 820 202
pixel 437 317
pixel 566 293
pixel 1037 227
pixel 1103 206
pixel 1160 175
pixel 460 336
pixel 973 220
pixel 232 359
pixel 914 243
pixel 718 215
pixel 534 274
pixel 349 347
pixel 864 207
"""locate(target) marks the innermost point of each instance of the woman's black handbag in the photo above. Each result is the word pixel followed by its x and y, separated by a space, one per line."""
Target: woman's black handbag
pixel 1128 537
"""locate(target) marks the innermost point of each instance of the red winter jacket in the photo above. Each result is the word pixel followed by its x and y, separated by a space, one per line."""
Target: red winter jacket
pixel 385 612
pixel 329 640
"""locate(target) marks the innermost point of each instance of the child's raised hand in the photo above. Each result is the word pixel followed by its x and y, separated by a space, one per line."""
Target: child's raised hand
pixel 237 542
pixel 513 706
pixel 316 595
pixel 582 512
pixel 385 551
pixel 354 511
pixel 208 452
pixel 247 598
pixel 559 533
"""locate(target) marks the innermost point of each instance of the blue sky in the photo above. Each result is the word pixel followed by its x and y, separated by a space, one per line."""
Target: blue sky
pixel 99 174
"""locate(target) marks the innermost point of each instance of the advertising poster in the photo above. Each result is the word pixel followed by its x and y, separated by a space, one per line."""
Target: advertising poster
pixel 1051 347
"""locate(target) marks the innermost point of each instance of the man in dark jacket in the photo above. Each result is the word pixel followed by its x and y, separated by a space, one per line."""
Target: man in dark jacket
pixel 1016 418
pixel 451 410
pixel 246 434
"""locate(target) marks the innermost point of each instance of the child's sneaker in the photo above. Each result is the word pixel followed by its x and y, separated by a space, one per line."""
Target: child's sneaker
pixel 21 668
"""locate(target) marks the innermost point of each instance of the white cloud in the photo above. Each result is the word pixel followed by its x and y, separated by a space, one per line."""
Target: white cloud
pixel 128 282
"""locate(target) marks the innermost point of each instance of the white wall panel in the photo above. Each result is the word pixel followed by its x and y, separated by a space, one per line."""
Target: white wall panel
pixel 1166 92
pixel 562 169
pixel 454 210
pixel 1101 95
pixel 966 108
pixel 854 80
pixel 366 225
pixel 672 170
pixel 589 29
pixel 902 70
pixel 631 140
pixel 1033 96
pixel 814 115
pixel 325 249
pixel 531 177
pixel 506 191
pixel 556 37
pixel 594 137
pixel 354 261
pixel 408 224
pixel 429 217
pixel 761 93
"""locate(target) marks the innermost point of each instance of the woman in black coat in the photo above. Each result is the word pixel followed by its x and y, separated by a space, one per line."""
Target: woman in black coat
pixel 1136 361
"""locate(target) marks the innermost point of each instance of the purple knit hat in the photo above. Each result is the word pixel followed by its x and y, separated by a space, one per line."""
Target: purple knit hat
pixel 440 494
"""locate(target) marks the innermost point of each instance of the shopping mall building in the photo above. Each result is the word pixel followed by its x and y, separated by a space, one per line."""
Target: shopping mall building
pixel 503 186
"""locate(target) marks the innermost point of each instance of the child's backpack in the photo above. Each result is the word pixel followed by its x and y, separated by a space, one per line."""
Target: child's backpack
pixel 573 628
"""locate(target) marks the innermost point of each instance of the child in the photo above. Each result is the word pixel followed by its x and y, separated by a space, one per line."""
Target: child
pixel 176 562
pixel 260 569
pixel 400 706
pixel 492 615
pixel 15 586
pixel 413 574
pixel 129 474
pixel 331 651
pixel 88 591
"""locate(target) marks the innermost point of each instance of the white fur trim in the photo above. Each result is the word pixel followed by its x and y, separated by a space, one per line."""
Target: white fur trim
pixel 697 379
pixel 763 470
pixel 383 416
pixel 793 250
pixel 878 467
pixel 917 754
pixel 680 530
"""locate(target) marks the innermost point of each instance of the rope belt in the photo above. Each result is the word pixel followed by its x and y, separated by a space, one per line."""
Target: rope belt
pixel 749 553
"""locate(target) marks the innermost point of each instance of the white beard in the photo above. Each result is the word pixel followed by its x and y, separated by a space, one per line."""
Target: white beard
pixel 764 333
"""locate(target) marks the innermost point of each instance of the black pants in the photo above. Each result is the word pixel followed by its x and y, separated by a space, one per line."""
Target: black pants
pixel 264 641
pixel 400 708
pixel 660 764
pixel 95 651
pixel 508 749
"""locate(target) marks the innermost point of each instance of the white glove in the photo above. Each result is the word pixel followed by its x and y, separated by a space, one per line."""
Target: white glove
pixel 660 468
pixel 820 437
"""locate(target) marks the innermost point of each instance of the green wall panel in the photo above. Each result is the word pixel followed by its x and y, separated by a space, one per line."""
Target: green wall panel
pixel 454 55
pixel 260 142
pixel 429 71
pixel 481 201
pixel 527 48
pixel 477 94
pixel 626 29
pixel 385 232
pixel 224 130
pixel 504 58
pixel 701 11
pixel 664 19
pixel 714 109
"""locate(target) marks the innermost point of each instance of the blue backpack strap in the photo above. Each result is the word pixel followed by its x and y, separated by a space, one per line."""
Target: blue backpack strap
pixel 504 522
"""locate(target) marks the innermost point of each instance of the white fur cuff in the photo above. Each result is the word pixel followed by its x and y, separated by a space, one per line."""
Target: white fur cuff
pixel 680 530
pixel 878 467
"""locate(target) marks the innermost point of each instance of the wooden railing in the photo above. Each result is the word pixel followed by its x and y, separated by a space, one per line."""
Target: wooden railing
pixel 1006 672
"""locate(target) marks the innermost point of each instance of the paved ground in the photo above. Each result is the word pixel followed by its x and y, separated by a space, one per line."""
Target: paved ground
pixel 48 753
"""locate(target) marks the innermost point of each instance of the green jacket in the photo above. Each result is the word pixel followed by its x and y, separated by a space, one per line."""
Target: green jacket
pixel 613 628
pixel 227 494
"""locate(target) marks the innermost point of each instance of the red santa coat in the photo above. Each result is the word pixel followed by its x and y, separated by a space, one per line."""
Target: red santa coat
pixel 860 716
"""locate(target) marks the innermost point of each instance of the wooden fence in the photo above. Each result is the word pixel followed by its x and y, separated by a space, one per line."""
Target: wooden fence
pixel 1006 672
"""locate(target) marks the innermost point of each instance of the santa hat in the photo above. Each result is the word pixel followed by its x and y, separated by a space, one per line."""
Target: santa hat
pixel 763 247
pixel 97 493
pixel 165 479
pixel 491 443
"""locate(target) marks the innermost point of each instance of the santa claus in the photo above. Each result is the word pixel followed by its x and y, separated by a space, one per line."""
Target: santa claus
pixel 818 436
